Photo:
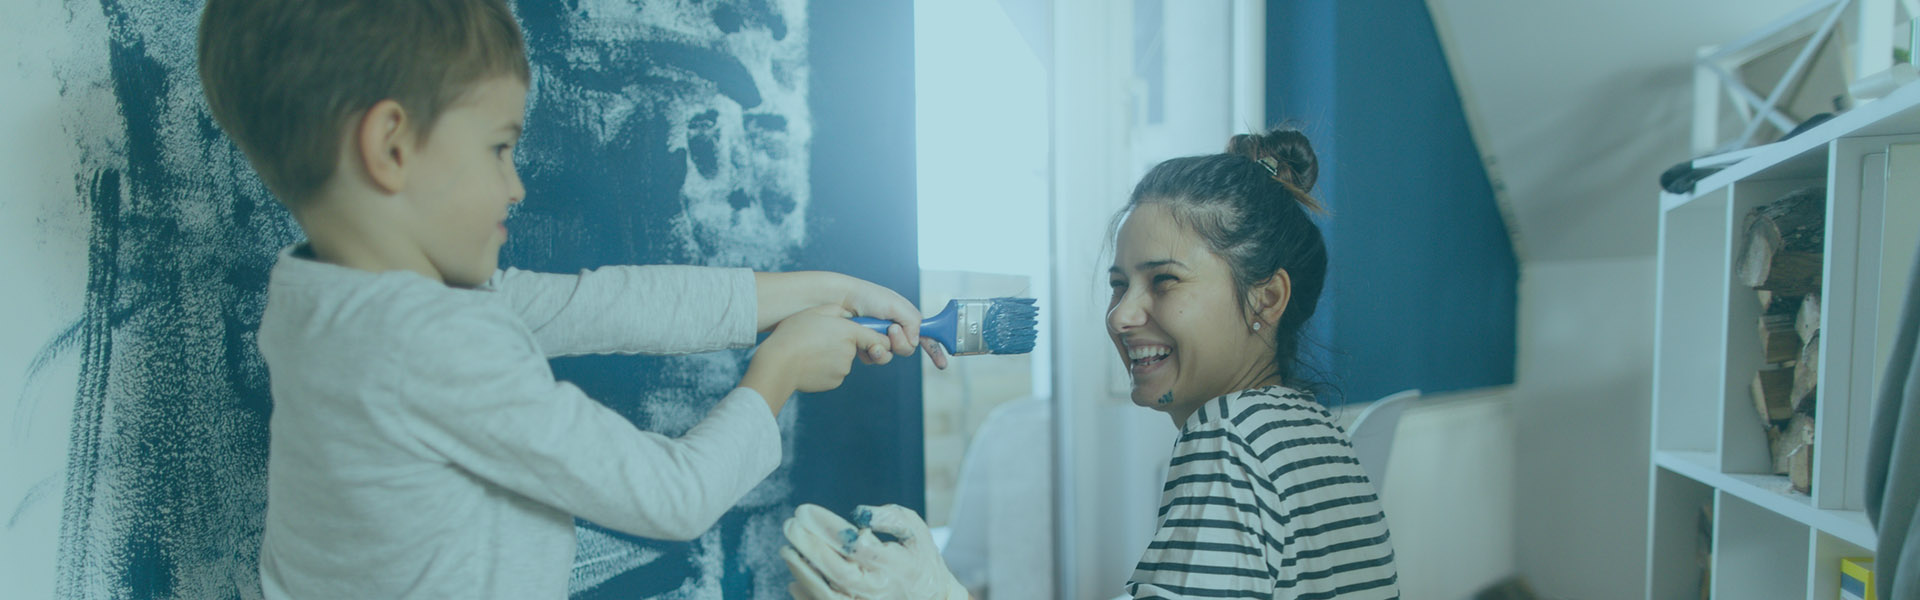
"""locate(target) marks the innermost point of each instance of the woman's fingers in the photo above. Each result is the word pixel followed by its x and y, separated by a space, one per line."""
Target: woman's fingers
pixel 894 520
pixel 827 550
pixel 807 583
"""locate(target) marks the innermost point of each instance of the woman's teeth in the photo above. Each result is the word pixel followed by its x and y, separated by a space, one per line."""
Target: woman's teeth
pixel 1147 355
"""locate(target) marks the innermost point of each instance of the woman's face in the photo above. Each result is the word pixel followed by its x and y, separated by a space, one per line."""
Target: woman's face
pixel 1175 318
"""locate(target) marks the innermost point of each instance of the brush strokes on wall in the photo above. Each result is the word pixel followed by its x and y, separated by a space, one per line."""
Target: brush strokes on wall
pixel 658 132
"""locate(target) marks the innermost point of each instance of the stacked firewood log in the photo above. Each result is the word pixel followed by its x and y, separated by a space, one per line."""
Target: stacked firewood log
pixel 1782 262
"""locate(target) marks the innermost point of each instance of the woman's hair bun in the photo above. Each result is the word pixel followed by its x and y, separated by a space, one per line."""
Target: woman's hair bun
pixel 1287 156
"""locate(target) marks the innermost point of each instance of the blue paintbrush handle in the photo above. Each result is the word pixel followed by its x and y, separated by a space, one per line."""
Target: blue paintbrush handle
pixel 939 328
pixel 877 325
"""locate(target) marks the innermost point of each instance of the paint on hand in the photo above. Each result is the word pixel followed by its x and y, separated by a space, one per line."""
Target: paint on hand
pixel 847 538
pixel 863 517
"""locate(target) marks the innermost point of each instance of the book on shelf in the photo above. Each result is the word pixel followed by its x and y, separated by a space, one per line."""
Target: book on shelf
pixel 1856 579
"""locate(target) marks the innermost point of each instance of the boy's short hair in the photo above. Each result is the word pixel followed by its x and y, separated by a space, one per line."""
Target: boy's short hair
pixel 285 77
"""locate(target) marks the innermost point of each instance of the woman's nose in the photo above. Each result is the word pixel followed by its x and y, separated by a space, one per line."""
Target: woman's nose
pixel 1125 314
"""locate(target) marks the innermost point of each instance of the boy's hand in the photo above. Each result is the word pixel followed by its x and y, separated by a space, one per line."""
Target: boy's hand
pixel 867 299
pixel 811 351
pixel 781 295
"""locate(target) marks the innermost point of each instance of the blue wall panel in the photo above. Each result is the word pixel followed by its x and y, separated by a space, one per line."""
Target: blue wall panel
pixel 1422 285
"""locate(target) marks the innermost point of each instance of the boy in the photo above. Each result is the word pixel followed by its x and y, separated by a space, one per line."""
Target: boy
pixel 420 447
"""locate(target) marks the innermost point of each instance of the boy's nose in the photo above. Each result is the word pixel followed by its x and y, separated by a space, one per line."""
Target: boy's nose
pixel 515 190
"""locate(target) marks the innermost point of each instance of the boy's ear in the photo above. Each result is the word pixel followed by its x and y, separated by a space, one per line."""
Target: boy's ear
pixel 1269 300
pixel 384 139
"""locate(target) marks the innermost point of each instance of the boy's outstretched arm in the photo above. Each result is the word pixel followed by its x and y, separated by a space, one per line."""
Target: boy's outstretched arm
pixel 651 309
pixel 479 396
pixel 674 309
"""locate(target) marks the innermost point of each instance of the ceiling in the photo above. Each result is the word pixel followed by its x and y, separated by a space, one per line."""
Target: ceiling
pixel 1578 106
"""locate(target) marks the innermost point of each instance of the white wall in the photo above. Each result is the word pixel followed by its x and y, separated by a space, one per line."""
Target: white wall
pixel 1547 478
pixel 1581 418
pixel 43 260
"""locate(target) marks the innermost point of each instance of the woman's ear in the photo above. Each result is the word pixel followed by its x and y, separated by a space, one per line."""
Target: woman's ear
pixel 1269 299
pixel 384 141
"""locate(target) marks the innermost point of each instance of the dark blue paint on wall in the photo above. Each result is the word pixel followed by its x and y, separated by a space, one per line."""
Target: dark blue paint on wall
pixel 869 448
pixel 1422 285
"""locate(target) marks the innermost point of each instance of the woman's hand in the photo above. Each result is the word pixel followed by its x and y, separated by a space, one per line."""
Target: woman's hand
pixel 832 559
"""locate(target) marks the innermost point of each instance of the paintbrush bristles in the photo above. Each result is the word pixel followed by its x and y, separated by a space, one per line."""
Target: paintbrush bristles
pixel 1011 326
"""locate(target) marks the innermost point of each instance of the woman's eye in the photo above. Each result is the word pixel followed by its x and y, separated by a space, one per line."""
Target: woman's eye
pixel 502 149
pixel 1160 281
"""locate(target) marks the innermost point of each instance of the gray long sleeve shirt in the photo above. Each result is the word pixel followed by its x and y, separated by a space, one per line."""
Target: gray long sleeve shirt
pixel 420 446
pixel 1893 459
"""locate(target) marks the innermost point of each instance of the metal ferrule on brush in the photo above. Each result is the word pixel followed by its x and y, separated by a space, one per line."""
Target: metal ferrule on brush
pixel 969 337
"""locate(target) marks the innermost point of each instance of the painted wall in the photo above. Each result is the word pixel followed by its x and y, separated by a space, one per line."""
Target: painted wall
pixel 1582 417
pixel 1422 278
pixel 48 76
pixel 683 134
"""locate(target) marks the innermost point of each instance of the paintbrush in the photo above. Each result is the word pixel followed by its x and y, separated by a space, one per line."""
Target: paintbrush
pixel 974 326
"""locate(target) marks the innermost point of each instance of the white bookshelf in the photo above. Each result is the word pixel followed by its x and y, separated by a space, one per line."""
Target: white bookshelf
pixel 1709 445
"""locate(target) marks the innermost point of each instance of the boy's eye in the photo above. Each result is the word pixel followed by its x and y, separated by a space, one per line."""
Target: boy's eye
pixel 502 149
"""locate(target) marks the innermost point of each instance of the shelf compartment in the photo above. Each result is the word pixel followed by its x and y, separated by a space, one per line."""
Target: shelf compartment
pixel 1757 553
pixel 1688 357
pixel 1823 581
pixel 1677 541
pixel 1743 438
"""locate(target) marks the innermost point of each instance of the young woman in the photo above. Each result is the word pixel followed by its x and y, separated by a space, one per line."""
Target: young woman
pixel 1217 267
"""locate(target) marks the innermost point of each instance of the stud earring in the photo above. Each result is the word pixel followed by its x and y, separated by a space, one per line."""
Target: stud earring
pixel 1256 325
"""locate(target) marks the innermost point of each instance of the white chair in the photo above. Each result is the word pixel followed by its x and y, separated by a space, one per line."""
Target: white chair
pixel 998 539
pixel 1372 434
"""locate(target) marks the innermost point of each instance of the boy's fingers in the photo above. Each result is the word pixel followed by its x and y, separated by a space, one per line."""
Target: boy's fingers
pixel 935 352
pixel 872 342
pixel 902 345
pixel 876 355
pixel 909 319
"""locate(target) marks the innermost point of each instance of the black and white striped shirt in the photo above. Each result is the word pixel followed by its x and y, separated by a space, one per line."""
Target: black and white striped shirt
pixel 1264 499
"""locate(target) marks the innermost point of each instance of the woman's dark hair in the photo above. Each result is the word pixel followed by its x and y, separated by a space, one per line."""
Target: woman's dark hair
pixel 1251 205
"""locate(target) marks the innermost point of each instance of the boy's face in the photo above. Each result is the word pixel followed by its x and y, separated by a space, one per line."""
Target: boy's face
pixel 464 180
